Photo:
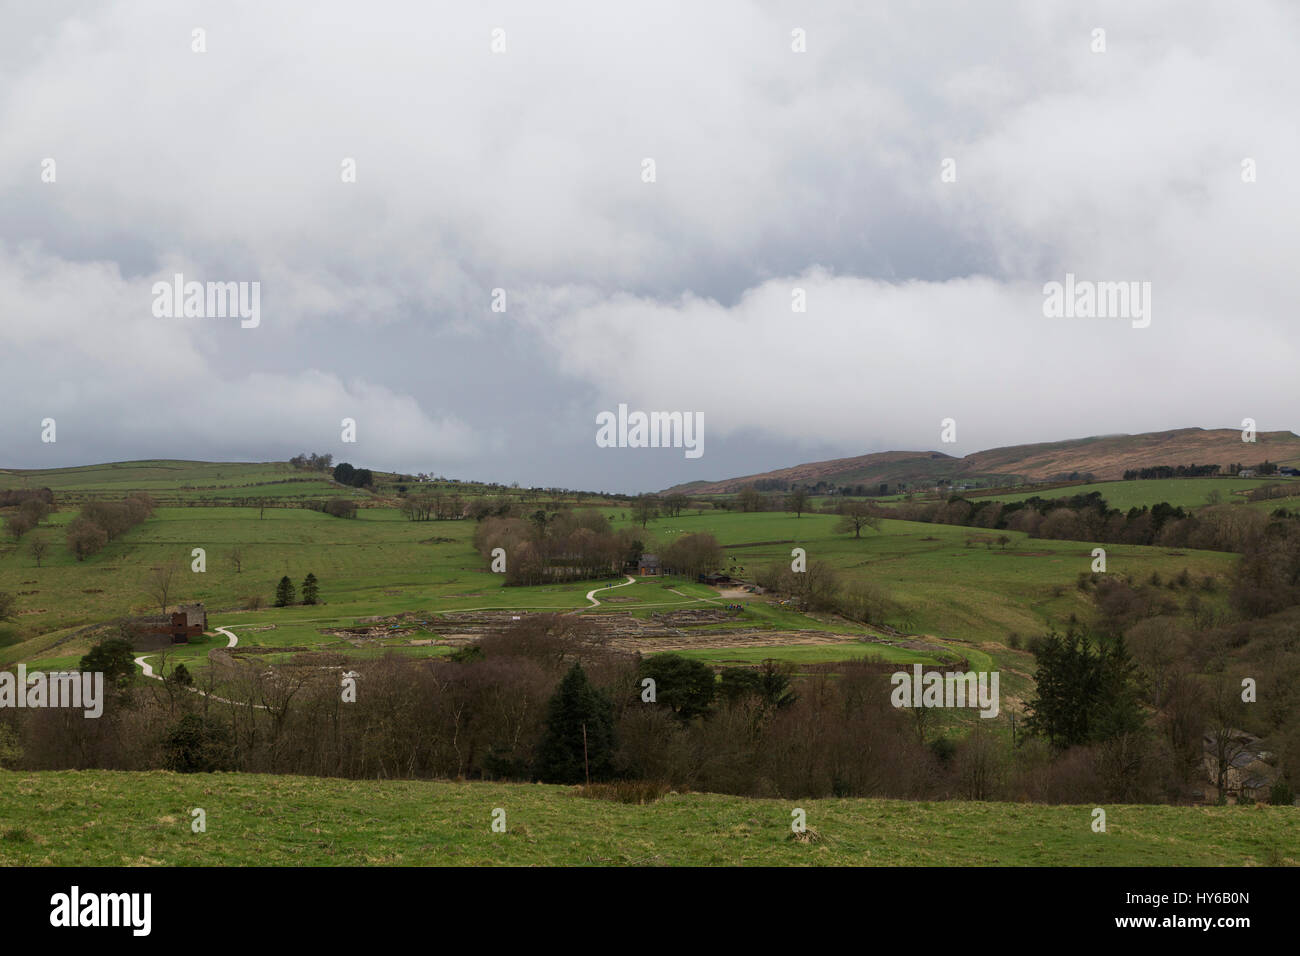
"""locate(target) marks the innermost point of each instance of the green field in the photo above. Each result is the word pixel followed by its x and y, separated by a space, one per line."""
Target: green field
pixel 176 481
pixel 1179 492
pixel 968 599
pixel 949 590
pixel 103 818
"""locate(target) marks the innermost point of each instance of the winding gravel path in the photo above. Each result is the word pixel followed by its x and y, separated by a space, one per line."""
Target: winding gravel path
pixel 231 641
pixel 595 602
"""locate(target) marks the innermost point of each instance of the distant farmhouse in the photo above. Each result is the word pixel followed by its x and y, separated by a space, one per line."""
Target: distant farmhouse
pixel 648 565
pixel 190 621
pixel 1249 774
pixel 187 621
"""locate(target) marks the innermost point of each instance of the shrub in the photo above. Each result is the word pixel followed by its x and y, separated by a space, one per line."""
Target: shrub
pixel 944 749
pixel 11 750
pixel 627 791
pixel 340 508
pixel 465 654
pixel 198 744
pixel 866 602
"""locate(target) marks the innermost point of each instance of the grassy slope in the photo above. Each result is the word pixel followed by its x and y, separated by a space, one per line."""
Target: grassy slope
pixel 380 563
pixel 1179 492
pixel 967 599
pixel 953 591
pixel 1107 457
pixel 173 481
pixel 101 818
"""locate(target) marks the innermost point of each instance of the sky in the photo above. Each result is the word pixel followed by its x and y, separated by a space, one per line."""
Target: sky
pixel 912 174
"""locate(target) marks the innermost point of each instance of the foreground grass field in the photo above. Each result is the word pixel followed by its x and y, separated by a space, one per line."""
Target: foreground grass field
pixel 102 818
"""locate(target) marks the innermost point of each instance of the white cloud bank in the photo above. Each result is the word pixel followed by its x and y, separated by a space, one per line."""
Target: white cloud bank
pixel 522 170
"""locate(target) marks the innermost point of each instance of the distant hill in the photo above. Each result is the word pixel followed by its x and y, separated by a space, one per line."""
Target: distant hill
pixel 1106 457
pixel 173 482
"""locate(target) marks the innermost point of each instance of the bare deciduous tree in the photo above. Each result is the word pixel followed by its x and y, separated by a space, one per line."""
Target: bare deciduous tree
pixel 1225 711
pixel 796 500
pixel 674 504
pixel 19 524
pixel 817 588
pixel 161 582
pixel 644 509
pixel 1157 645
pixel 856 515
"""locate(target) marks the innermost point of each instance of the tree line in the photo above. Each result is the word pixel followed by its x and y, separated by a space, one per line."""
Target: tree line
pixel 547 700
pixel 1171 471
pixel 1133 705
pixel 1087 517
pixel 100 522
pixel 32 510
pixel 346 474
pixel 580 544
pixel 312 462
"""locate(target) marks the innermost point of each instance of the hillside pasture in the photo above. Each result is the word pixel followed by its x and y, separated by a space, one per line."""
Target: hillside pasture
pixel 946 587
pixel 105 818
pixel 1187 493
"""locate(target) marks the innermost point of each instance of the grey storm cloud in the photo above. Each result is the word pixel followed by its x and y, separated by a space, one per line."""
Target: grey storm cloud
pixel 522 170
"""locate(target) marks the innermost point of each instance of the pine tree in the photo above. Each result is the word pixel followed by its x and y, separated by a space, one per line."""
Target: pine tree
pixel 1084 694
pixel 1118 708
pixel 566 754
pixel 284 593
pixel 310 590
